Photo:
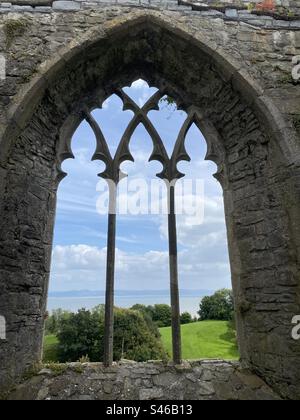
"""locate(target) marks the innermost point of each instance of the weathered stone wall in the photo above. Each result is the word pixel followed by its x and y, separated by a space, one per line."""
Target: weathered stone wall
pixel 205 380
pixel 231 10
pixel 237 75
pixel 283 3
pixel 290 5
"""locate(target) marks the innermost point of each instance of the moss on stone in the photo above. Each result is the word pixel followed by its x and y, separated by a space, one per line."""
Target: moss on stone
pixel 57 368
pixel 286 78
pixel 14 28
pixel 78 368
pixel 32 371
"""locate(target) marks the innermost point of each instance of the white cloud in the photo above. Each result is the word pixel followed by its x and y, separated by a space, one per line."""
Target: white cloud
pixel 140 84
pixel 209 233
pixel 140 91
pixel 83 267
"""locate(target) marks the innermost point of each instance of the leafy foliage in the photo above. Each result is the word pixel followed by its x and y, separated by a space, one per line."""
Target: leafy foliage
pixel 219 307
pixel 54 321
pixel 133 339
pixel 82 335
pixel 160 314
pixel 186 318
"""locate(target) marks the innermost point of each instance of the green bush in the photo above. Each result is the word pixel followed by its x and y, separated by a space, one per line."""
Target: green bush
pixel 160 314
pixel 219 307
pixel 186 318
pixel 82 335
pixel 134 339
pixel 54 321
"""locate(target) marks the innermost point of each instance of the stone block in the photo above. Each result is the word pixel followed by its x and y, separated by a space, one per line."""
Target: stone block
pixel 231 13
pixel 66 6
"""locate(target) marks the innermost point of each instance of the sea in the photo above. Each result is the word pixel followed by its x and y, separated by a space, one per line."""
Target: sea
pixel 75 300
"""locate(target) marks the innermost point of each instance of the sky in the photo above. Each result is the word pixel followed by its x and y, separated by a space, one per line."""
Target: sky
pixel 79 252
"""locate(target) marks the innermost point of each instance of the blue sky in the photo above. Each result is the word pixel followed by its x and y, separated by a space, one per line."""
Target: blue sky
pixel 79 252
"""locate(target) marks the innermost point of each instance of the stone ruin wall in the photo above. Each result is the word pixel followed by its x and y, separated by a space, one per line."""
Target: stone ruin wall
pixel 264 47
pixel 229 8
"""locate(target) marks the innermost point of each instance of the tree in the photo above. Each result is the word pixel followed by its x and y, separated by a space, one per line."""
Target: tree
pixel 161 314
pixel 54 321
pixel 83 335
pixel 220 306
pixel 147 312
pixel 186 318
pixel 133 339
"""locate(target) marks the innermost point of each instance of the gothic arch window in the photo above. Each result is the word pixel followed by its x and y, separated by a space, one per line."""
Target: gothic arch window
pixel 170 158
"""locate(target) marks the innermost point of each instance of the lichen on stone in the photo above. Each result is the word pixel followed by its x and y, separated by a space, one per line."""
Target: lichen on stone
pixel 14 28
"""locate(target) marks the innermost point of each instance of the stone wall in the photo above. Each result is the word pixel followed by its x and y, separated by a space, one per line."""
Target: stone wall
pixel 284 3
pixel 236 71
pixel 230 10
pixel 205 380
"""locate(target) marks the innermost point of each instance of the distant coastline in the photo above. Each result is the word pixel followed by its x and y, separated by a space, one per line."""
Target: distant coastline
pixel 74 300
pixel 126 293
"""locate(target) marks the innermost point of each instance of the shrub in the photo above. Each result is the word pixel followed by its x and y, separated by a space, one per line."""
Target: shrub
pixel 54 321
pixel 160 314
pixel 186 318
pixel 82 335
pixel 219 307
pixel 133 339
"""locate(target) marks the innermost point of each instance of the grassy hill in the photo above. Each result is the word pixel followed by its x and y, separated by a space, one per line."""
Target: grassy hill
pixel 205 340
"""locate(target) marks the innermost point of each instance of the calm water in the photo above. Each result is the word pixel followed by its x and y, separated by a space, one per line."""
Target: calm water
pixel 188 304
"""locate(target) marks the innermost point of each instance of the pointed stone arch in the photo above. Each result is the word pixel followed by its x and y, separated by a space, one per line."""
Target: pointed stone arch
pixel 253 145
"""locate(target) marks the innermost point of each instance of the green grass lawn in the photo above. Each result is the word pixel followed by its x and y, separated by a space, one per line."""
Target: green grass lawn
pixel 205 340
pixel 50 348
